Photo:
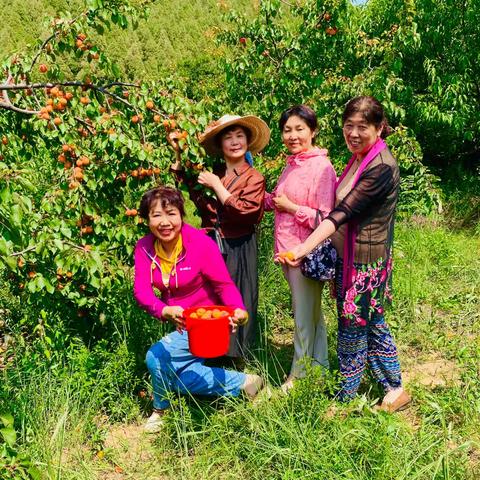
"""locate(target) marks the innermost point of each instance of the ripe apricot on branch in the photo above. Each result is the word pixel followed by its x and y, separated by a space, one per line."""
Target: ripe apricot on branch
pixel 331 31
pixel 43 68
pixel 78 173
pixel 84 100
pixel 149 105
pixel 5 140
pixel 135 119
pixel 57 121
pixel 156 118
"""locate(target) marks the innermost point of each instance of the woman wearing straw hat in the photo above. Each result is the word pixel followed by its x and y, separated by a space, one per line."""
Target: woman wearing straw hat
pixel 232 215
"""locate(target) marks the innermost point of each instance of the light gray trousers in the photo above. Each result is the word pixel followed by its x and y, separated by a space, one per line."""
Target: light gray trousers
pixel 310 339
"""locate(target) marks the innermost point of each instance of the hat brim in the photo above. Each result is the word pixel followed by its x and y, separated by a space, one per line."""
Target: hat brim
pixel 260 135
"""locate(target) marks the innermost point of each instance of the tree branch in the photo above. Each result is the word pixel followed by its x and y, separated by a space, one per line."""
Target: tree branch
pixel 8 105
pixel 29 249
pixel 7 86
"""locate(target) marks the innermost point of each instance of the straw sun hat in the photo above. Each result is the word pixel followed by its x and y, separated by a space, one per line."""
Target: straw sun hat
pixel 260 133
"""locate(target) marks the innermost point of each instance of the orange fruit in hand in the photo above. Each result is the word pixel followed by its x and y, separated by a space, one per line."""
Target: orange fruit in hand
pixel 288 255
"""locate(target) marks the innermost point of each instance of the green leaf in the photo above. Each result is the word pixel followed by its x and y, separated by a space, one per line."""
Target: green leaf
pixel 7 419
pixel 9 435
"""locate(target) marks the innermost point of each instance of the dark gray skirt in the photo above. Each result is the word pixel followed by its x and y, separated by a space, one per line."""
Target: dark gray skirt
pixel 241 259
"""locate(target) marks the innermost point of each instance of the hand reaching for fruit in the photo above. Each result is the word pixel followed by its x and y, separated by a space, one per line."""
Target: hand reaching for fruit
pixel 174 314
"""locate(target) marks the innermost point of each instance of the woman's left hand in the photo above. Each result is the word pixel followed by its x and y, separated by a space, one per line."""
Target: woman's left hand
pixel 209 179
pixel 240 317
pixel 284 204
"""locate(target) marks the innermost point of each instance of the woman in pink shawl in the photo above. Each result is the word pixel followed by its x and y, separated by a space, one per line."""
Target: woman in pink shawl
pixel 361 229
pixel 303 195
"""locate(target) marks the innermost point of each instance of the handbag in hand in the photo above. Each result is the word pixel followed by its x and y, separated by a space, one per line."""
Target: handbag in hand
pixel 319 264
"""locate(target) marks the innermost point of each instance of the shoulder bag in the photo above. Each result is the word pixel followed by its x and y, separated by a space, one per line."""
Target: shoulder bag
pixel 319 264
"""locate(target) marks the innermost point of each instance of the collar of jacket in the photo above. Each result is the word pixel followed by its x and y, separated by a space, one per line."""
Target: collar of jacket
pixel 299 158
pixel 222 170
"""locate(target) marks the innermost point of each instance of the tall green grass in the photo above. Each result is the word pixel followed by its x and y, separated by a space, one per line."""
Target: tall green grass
pixel 65 409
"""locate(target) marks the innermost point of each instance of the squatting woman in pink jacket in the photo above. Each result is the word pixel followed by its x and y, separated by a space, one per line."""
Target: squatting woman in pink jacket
pixel 187 269
pixel 303 195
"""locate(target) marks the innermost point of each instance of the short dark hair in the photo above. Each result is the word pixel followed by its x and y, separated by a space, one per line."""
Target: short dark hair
pixel 371 110
pixel 166 196
pixel 302 111
pixel 219 135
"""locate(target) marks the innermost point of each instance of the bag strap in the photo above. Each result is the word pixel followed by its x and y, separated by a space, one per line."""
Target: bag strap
pixel 318 214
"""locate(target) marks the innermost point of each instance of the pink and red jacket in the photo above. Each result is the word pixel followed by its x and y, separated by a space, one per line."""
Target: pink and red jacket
pixel 201 276
pixel 309 181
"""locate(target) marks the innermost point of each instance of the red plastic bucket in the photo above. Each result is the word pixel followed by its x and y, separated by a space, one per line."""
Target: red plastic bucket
pixel 208 338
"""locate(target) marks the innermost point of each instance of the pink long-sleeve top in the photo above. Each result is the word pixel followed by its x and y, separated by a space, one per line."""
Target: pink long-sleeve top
pixel 201 275
pixel 308 180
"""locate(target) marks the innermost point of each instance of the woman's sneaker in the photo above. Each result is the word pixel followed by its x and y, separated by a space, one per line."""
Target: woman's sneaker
pixel 154 423
pixel 252 385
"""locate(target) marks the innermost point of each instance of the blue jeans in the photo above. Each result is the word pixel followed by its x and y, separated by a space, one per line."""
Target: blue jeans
pixel 174 369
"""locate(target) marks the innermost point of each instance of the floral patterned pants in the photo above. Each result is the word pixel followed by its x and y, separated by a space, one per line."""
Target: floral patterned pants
pixel 363 334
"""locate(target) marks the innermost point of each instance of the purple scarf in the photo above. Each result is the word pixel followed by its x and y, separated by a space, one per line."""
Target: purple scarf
pixel 352 225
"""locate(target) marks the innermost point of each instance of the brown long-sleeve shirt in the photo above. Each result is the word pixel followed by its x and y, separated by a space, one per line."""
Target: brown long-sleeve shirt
pixel 241 211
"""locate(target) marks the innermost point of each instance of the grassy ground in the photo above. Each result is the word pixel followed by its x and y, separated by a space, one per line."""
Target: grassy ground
pixel 82 419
